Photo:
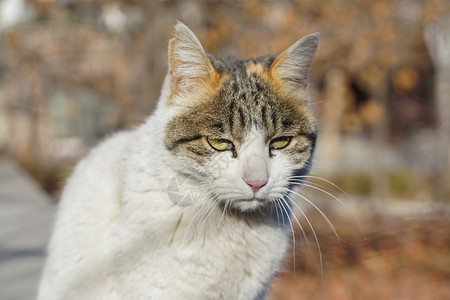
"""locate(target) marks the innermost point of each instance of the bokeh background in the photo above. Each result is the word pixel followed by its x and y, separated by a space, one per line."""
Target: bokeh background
pixel 73 72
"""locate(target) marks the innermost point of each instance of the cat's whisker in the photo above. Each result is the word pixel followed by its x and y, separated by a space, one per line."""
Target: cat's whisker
pixel 299 225
pixel 208 211
pixel 313 231
pixel 225 206
pixel 195 231
pixel 281 219
pixel 317 102
pixel 321 188
pixel 321 213
pixel 294 244
pixel 282 204
pixel 282 214
pixel 199 210
pixel 216 203
pixel 340 202
pixel 276 210
pixel 306 181
pixel 322 179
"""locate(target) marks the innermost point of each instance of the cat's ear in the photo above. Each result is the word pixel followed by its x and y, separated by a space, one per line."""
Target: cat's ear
pixel 291 68
pixel 190 69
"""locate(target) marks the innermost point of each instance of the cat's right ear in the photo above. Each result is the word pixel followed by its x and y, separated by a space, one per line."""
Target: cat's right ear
pixel 190 70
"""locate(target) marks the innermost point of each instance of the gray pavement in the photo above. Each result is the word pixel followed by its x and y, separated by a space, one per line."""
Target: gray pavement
pixel 26 216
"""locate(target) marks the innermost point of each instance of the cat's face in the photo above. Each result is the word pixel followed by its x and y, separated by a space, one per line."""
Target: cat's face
pixel 241 128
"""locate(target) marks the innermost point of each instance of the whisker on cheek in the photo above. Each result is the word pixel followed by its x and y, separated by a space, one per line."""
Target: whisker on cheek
pixel 321 213
pixel 300 226
pixel 315 186
pixel 313 232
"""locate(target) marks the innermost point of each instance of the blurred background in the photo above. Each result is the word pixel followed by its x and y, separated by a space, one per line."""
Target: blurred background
pixel 73 72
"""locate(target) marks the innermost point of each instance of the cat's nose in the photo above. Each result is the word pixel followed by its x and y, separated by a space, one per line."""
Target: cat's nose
pixel 256 185
pixel 255 172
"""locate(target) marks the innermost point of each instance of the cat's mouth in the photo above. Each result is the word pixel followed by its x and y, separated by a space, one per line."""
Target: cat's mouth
pixel 252 199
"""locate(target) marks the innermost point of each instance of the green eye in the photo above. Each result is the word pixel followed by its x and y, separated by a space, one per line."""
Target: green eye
pixel 220 144
pixel 280 143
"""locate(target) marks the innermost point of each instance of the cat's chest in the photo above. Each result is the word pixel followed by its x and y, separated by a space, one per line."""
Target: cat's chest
pixel 189 236
pixel 202 255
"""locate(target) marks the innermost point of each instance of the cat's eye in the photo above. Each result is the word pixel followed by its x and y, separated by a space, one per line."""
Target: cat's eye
pixel 220 144
pixel 280 143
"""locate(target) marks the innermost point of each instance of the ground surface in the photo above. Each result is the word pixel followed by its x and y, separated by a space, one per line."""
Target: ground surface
pixel 25 220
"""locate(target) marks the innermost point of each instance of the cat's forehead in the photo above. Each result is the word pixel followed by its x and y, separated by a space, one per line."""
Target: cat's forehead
pixel 241 69
pixel 245 84
pixel 248 98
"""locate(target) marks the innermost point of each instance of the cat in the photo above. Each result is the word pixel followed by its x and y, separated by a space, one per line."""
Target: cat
pixel 194 203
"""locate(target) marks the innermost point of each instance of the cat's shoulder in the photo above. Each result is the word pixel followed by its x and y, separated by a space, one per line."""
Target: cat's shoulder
pixel 113 143
pixel 107 153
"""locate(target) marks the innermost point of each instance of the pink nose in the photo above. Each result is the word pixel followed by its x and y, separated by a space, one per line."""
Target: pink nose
pixel 256 185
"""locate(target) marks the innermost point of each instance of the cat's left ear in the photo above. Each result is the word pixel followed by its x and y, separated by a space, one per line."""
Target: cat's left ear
pixel 190 70
pixel 291 68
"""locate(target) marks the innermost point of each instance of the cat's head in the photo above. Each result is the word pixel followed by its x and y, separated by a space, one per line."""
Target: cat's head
pixel 240 128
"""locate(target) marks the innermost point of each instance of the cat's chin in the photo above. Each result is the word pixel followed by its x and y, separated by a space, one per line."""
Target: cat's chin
pixel 245 205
